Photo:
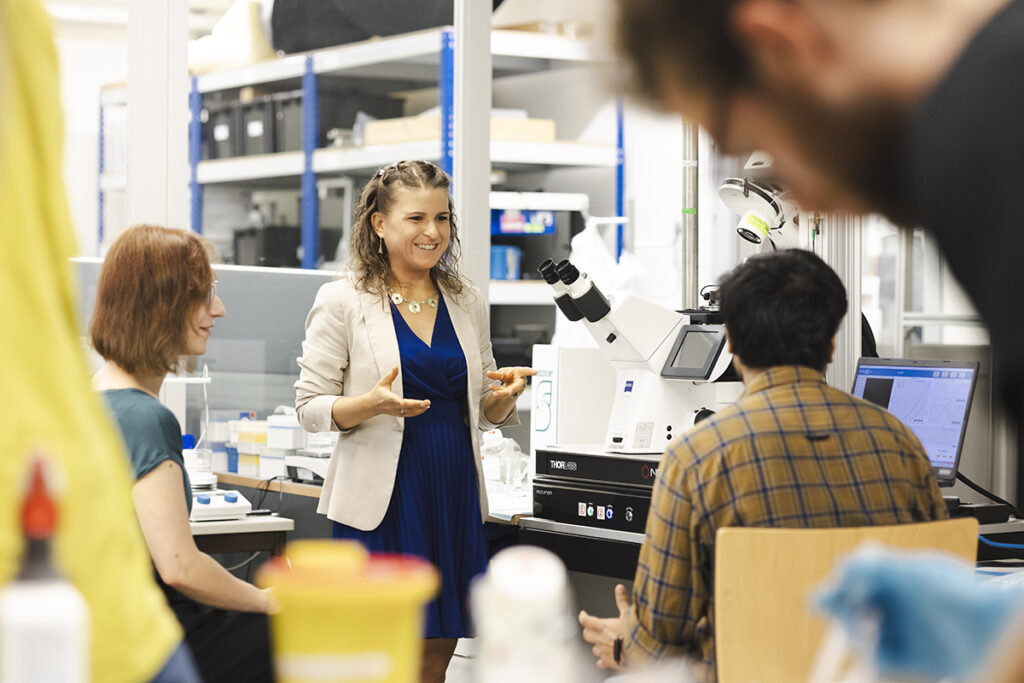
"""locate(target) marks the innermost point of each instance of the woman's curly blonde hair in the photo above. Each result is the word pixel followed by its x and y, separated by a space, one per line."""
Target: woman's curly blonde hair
pixel 368 256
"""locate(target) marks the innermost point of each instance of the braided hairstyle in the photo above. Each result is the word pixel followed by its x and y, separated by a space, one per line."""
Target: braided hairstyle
pixel 368 255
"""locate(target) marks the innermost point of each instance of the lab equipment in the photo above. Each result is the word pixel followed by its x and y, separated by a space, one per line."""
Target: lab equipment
pixel 310 464
pixel 345 614
pixel 932 397
pixel 662 372
pixel 198 463
pixel 44 621
pixel 218 505
pixel 563 299
pixel 766 211
pixel 307 466
pixel 922 615
pixel 667 364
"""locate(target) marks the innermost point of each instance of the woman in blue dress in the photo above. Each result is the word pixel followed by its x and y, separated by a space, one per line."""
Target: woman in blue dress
pixel 397 358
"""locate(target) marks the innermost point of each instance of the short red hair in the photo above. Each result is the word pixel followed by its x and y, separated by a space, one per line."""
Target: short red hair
pixel 152 279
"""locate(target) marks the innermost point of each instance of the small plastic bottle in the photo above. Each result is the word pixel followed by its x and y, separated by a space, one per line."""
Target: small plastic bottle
pixel 44 621
pixel 525 627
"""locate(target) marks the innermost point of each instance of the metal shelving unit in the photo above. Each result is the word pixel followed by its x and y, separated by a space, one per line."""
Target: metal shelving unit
pixel 420 59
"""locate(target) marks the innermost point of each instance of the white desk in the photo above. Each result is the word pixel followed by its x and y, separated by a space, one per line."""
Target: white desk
pixel 264 532
pixel 504 508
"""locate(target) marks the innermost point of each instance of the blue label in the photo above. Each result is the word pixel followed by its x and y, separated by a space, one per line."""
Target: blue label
pixel 629 385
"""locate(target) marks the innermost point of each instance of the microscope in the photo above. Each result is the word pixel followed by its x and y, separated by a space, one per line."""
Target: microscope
pixel 671 370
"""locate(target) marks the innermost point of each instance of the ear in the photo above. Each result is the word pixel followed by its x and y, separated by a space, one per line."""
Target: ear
pixel 785 43
pixel 832 352
pixel 377 221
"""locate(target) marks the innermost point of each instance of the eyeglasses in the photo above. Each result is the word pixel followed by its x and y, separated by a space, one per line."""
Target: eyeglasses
pixel 211 295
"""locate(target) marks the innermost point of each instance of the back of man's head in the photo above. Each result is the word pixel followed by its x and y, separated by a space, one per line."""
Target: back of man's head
pixel 783 308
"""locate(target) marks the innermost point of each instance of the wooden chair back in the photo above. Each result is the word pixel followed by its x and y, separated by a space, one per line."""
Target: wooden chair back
pixel 765 628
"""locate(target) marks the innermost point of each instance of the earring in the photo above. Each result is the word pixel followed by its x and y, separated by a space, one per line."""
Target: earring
pixel 380 246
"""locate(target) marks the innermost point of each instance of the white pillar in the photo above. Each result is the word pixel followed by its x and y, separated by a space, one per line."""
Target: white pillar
pixel 471 165
pixel 158 113
pixel 840 247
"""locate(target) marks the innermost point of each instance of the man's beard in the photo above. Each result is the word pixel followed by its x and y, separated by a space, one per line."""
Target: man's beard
pixel 858 150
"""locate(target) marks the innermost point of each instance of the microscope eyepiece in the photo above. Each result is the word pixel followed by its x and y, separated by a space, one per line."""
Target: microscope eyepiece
pixel 547 271
pixel 567 272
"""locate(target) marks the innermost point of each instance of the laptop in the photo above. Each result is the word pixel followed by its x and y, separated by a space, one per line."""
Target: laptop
pixel 932 397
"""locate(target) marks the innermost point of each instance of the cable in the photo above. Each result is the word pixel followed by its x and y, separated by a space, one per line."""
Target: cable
pixel 991 496
pixel 997 544
pixel 244 562
pixel 263 488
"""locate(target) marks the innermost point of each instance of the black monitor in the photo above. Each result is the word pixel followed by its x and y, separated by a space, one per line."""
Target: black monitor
pixel 932 397
pixel 695 352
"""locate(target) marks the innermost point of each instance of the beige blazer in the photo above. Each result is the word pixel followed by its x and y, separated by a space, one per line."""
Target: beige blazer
pixel 350 344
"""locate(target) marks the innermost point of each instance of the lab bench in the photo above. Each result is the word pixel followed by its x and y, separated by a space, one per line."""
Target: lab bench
pixel 299 502
pixel 243 535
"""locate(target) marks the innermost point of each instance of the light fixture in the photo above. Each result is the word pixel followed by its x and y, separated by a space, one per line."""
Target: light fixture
pixel 764 209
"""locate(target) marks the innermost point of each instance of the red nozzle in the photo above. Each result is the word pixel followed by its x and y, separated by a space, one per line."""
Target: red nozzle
pixel 38 513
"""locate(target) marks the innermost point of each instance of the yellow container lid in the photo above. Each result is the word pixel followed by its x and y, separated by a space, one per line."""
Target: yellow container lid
pixel 342 572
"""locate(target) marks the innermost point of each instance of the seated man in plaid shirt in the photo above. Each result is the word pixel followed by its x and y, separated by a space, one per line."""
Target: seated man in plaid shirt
pixel 792 452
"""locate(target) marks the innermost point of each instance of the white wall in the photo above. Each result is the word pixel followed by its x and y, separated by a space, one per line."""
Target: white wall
pixel 90 57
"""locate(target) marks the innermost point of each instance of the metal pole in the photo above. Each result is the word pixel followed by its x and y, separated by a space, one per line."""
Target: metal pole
pixel 691 286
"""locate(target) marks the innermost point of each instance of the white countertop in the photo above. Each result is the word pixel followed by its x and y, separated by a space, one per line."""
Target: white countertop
pixel 249 525
pixel 504 507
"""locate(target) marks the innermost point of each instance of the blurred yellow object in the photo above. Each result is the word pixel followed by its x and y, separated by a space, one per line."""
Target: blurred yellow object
pixel 345 615
pixel 47 404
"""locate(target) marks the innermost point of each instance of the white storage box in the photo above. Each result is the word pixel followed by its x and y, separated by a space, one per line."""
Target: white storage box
pixel 284 432
pixel 272 462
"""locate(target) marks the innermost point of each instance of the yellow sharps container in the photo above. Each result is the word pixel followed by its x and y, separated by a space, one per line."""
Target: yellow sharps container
pixel 345 615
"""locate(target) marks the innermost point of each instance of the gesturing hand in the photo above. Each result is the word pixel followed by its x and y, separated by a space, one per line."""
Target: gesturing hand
pixel 387 402
pixel 602 633
pixel 512 381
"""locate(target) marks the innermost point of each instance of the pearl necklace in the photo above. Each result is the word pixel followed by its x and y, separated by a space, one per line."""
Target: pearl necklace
pixel 414 306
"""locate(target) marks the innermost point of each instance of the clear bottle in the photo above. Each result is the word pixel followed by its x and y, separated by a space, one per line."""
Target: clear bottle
pixel 514 466
pixel 490 454
pixel 44 621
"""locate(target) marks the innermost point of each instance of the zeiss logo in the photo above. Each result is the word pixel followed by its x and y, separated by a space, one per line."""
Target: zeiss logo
pixel 648 472
pixel 568 465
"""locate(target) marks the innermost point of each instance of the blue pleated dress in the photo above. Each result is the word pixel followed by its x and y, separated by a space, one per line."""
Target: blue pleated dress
pixel 435 507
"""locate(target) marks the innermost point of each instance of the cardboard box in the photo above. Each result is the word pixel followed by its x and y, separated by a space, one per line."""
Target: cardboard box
pixel 415 128
pixel 550 27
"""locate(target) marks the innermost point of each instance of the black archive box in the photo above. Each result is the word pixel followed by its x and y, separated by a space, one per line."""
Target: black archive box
pixel 220 130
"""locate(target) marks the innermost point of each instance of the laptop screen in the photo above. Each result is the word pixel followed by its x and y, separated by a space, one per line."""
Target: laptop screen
pixel 933 398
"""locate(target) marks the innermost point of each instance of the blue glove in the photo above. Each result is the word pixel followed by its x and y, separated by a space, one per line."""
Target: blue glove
pixel 931 616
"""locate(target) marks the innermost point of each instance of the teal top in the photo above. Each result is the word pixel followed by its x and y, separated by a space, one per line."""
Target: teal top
pixel 150 431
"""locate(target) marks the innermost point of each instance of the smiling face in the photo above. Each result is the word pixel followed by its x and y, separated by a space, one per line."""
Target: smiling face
pixel 199 323
pixel 416 231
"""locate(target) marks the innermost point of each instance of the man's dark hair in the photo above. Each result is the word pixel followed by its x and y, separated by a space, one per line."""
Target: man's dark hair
pixel 687 40
pixel 783 309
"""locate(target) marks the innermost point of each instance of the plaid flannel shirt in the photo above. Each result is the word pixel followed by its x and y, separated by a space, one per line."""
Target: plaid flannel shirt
pixel 792 452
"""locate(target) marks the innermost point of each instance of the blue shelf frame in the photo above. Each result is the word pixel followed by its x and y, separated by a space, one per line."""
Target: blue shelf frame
pixel 446 97
pixel 310 225
pixel 195 152
pixel 310 139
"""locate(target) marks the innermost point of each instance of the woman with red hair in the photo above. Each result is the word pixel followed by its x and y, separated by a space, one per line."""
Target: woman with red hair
pixel 157 301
